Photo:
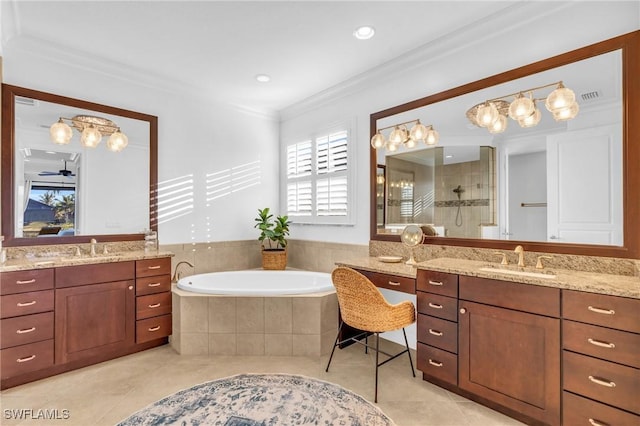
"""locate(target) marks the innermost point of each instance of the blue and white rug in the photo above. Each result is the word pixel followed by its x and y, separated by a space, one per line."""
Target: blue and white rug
pixel 261 400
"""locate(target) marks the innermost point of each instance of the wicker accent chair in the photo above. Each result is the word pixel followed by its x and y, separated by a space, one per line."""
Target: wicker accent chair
pixel 363 307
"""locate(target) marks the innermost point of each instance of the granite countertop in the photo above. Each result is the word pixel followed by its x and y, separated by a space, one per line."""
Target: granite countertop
pixel 59 261
pixel 615 285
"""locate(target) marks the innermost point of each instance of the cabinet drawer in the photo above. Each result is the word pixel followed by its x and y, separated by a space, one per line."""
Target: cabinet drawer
pixel 613 345
pixel 604 381
pixel 600 309
pixel 437 282
pixel 153 328
pixel 438 363
pixel 150 285
pixel 438 332
pixel 26 358
pixel 26 281
pixel 391 282
pixel 581 411
pixel 26 329
pixel 153 305
pixel 151 267
pixel 71 276
pixel 506 294
pixel 14 305
pixel 437 305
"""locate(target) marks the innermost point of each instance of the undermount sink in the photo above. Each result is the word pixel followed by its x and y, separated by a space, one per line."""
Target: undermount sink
pixel 544 275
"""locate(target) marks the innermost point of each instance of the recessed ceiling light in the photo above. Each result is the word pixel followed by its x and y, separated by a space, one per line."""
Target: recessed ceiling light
pixel 448 156
pixel 364 33
pixel 263 78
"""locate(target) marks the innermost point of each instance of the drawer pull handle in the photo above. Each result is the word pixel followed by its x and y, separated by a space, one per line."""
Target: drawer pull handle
pixel 20 304
pixel 602 382
pixel 438 283
pixel 26 330
pixel 435 332
pixel 394 283
pixel 601 344
pixel 435 305
pixel 601 311
pixel 595 422
pixel 154 285
pixel 29 358
pixel 435 363
pixel 155 305
pixel 154 267
pixel 156 328
pixel 31 281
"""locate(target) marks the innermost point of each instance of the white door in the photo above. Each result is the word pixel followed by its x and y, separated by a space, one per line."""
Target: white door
pixel 584 186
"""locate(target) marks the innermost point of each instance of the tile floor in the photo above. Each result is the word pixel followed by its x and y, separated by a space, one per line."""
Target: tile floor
pixel 106 393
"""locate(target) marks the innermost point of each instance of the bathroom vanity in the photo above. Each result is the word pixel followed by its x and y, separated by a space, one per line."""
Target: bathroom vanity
pixel 561 350
pixel 60 315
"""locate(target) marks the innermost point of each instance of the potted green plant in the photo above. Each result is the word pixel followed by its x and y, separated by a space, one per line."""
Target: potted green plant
pixel 273 239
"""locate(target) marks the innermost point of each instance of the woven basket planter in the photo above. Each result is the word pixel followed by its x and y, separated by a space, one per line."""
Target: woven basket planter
pixel 274 259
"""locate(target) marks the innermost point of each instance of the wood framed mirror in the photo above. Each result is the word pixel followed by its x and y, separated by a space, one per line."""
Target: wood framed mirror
pixel 624 209
pixel 110 194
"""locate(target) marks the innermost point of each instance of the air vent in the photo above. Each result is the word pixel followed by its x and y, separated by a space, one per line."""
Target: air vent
pixel 26 101
pixel 590 96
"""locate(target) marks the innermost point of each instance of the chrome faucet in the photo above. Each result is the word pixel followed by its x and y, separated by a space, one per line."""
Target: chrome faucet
pixel 176 274
pixel 93 247
pixel 520 251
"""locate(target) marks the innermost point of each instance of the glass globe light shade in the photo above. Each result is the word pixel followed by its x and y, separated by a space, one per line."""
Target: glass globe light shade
pixel 531 120
pixel 377 141
pixel 521 107
pixel 560 98
pixel 432 137
pixel 117 141
pixel 398 135
pixel 487 114
pixel 392 147
pixel 499 126
pixel 565 114
pixel 90 137
pixel 418 132
pixel 60 132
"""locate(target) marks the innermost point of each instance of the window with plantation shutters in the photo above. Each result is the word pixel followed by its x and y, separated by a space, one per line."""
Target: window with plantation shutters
pixel 318 179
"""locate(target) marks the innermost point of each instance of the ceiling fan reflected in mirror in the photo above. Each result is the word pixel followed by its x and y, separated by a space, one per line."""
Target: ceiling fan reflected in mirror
pixel 64 172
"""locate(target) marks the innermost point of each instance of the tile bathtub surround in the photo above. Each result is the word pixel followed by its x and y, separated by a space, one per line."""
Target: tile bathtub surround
pixel 603 265
pixel 226 325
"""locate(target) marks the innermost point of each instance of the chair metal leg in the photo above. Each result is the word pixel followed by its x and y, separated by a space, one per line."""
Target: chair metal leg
pixel 334 347
pixel 406 342
pixel 375 399
pixel 366 343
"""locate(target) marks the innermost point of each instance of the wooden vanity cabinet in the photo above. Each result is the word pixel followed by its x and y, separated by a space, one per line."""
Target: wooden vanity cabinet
pixel 601 359
pixel 26 324
pixel 153 299
pixel 437 305
pixel 95 310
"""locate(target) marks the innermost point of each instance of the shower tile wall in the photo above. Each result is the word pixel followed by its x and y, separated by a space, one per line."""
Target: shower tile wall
pixel 477 202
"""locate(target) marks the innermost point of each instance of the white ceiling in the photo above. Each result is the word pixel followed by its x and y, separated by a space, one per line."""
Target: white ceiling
pixel 217 48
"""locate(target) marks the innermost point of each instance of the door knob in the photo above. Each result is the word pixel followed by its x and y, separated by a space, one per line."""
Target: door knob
pixel 463 310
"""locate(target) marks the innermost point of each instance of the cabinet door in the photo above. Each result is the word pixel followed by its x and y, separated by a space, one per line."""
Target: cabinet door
pixel 511 358
pixel 94 320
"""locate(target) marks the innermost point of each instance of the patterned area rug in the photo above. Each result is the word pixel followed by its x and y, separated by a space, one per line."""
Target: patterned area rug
pixel 261 400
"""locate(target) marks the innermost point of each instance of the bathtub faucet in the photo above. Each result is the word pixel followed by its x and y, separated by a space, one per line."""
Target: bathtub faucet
pixel 176 274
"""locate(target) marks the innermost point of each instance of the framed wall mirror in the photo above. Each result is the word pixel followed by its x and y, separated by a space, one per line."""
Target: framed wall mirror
pixel 559 184
pixel 58 193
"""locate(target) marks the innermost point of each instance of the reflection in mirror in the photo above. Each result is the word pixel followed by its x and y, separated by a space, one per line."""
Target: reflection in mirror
pixel 75 189
pixel 556 179
pixel 69 191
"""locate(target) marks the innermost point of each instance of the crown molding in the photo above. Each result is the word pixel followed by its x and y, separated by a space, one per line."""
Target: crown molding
pixel 519 15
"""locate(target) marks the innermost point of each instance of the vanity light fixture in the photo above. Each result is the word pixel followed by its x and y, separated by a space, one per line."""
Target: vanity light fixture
pixel 401 136
pixel 492 114
pixel 364 32
pixel 92 129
